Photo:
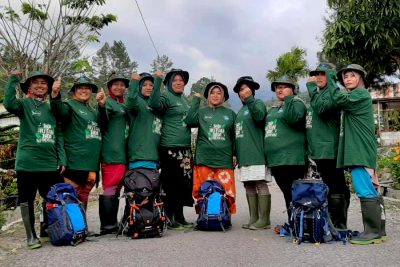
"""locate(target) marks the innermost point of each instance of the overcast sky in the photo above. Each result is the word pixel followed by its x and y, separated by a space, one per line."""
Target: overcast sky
pixel 225 39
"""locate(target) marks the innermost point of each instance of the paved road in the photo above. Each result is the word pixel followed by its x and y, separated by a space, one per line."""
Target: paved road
pixel 235 248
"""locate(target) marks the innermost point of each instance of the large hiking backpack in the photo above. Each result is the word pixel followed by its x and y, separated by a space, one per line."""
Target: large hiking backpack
pixel 67 219
pixel 214 214
pixel 309 219
pixel 144 214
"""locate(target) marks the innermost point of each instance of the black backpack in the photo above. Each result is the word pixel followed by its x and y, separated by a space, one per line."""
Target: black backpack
pixel 144 214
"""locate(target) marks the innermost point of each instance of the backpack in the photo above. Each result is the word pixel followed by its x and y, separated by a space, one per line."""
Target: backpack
pixel 214 214
pixel 309 219
pixel 67 219
pixel 144 214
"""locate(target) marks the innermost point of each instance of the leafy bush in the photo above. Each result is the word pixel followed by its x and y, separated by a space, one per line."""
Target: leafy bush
pixel 391 161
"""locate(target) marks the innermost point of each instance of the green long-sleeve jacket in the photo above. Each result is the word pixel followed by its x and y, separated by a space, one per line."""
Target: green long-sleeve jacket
pixel 145 131
pixel 322 121
pixel 114 129
pixel 173 108
pixel 39 147
pixel 284 139
pixel 81 131
pixel 357 141
pixel 249 133
pixel 216 134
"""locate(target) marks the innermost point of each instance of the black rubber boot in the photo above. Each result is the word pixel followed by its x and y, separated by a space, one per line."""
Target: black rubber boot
pixel 108 210
pixel 371 215
pixel 252 201
pixel 383 219
pixel 28 218
pixel 44 221
pixel 338 210
pixel 180 218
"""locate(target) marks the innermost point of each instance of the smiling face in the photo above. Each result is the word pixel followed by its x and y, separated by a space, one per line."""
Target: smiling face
pixel 83 93
pixel 178 84
pixel 321 79
pixel 118 88
pixel 352 80
pixel 282 90
pixel 38 87
pixel 147 88
pixel 216 96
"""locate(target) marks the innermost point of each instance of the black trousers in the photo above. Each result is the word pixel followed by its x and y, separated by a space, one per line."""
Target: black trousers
pixel 284 177
pixel 333 177
pixel 30 182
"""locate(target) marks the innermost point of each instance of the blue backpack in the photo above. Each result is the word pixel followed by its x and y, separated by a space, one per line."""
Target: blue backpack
pixel 214 214
pixel 309 220
pixel 67 219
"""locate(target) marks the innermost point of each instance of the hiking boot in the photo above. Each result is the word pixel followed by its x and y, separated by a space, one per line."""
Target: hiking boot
pixel 252 201
pixel 172 225
pixel 264 208
pixel 371 216
pixel 28 218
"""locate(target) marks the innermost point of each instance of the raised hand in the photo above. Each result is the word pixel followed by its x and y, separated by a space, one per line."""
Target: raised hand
pixel 135 76
pixel 197 94
pixel 16 73
pixel 55 90
pixel 158 73
pixel 101 98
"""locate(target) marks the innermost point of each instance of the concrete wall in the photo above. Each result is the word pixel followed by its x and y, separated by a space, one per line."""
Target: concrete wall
pixel 390 138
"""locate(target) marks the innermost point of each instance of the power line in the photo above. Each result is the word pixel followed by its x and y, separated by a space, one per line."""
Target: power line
pixel 147 29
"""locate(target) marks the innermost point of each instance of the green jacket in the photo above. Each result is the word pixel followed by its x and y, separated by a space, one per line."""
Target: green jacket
pixel 81 131
pixel 145 130
pixel 173 108
pixel 322 123
pixel 216 135
pixel 39 145
pixel 284 140
pixel 357 141
pixel 114 129
pixel 249 133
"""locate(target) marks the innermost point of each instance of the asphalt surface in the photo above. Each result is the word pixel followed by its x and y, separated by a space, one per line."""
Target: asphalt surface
pixel 237 247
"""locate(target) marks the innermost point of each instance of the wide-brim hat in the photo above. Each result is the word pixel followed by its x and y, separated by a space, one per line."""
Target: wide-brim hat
pixel 322 67
pixel 37 74
pixel 213 84
pixel 145 76
pixel 284 80
pixel 115 78
pixel 83 80
pixel 353 67
pixel 248 80
pixel 185 75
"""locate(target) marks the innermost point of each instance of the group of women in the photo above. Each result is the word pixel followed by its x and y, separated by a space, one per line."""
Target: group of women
pixel 70 141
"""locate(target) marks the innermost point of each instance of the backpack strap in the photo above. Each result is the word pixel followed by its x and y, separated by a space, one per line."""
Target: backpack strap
pixel 301 226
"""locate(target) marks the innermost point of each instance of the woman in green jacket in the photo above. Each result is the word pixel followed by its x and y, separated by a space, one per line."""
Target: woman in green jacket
pixel 249 141
pixel 285 140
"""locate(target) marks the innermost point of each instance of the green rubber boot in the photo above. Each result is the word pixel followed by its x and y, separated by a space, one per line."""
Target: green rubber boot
pixel 29 224
pixel 371 215
pixel 264 208
pixel 252 201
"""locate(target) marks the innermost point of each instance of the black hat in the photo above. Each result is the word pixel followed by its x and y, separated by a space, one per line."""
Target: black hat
pixel 35 75
pixel 212 84
pixel 83 80
pixel 117 77
pixel 145 76
pixel 248 80
pixel 185 75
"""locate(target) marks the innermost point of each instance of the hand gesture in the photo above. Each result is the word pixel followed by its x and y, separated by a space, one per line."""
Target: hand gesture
pixel 55 90
pixel 158 74
pixel 245 93
pixel 312 79
pixel 16 73
pixel 287 91
pixel 197 94
pixel 135 76
pixel 101 98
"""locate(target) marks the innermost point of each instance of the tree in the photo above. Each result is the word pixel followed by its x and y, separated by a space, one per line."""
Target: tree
pixel 109 60
pixel 291 64
pixel 162 63
pixel 366 33
pixel 49 35
pixel 199 87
